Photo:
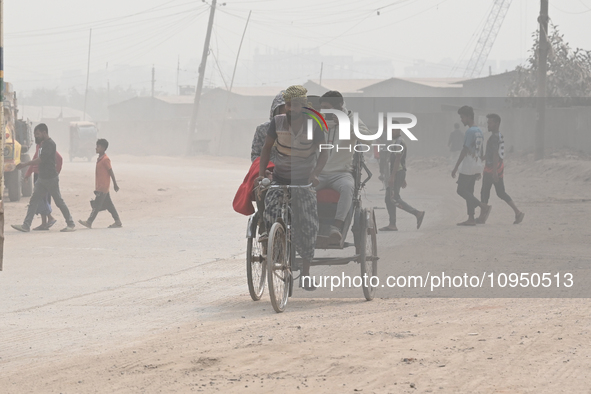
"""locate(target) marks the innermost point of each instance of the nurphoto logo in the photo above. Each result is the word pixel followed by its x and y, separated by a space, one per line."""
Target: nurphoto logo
pixel 344 128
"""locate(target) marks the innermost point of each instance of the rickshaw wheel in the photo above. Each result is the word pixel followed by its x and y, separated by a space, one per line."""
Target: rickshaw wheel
pixel 279 279
pixel 256 266
pixel 368 252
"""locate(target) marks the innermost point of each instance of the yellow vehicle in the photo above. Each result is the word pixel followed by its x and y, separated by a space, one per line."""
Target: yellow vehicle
pixel 19 138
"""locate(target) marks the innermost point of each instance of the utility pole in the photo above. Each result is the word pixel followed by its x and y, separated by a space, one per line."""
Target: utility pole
pixel 542 74
pixel 193 123
pixel 153 79
pixel 229 90
pixel 321 67
pixel 239 48
pixel 87 74
pixel 3 133
pixel 108 85
pixel 178 71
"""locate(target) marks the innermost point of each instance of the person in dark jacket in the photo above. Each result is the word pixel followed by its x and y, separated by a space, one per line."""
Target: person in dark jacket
pixel 48 181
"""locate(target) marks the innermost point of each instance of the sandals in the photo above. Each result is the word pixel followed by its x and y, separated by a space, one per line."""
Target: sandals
pixel 45 227
pixel 420 219
pixel 85 223
pixel 484 215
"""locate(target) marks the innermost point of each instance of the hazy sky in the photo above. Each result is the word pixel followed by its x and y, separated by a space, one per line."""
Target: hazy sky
pixel 44 39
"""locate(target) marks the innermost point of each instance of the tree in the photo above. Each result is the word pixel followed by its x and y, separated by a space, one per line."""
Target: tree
pixel 569 71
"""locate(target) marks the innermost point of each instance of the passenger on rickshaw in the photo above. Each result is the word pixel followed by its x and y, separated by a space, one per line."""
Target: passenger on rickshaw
pixel 277 108
pixel 337 174
pixel 298 162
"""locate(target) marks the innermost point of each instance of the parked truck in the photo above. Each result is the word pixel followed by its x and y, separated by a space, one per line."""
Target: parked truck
pixel 19 139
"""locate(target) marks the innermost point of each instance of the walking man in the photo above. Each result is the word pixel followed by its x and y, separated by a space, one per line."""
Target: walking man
pixel 48 181
pixel 494 168
pixel 44 209
pixel 384 158
pixel 103 175
pixel 397 181
pixel 469 165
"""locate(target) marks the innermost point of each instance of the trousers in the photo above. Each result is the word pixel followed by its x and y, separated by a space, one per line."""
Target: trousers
pixel 487 183
pixel 103 201
pixel 466 191
pixel 304 217
pixel 43 187
pixel 393 199
pixel 343 183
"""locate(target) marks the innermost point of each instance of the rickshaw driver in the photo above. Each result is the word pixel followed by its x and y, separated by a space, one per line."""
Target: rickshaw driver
pixel 297 163
pixel 338 172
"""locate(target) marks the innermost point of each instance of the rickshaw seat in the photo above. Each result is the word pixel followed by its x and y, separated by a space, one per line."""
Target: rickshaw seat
pixel 327 196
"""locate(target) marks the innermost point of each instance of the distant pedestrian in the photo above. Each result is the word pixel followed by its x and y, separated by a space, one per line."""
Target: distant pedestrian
pixel 384 158
pixel 103 175
pixel 396 181
pixel 494 168
pixel 470 166
pixel 44 209
pixel 456 139
pixel 48 181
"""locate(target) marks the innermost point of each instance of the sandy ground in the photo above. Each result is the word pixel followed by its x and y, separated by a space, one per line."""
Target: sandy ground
pixel 161 305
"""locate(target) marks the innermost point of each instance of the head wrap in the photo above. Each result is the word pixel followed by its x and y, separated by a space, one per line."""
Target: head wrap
pixel 295 91
pixel 277 102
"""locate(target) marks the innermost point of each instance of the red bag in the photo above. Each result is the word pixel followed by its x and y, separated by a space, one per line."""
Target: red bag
pixel 245 195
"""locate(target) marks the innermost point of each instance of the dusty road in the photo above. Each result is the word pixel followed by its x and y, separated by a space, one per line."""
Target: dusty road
pixel 161 305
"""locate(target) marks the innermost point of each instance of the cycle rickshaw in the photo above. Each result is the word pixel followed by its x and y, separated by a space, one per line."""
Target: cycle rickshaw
pixel 273 261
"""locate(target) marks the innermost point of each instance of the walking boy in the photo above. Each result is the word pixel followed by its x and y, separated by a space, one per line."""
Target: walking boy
pixel 494 168
pixel 470 167
pixel 48 181
pixel 104 174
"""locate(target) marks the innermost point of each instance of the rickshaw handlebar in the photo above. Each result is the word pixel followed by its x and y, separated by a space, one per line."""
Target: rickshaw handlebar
pixel 290 186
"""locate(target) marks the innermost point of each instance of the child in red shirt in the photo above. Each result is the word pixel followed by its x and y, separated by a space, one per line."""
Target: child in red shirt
pixel 104 174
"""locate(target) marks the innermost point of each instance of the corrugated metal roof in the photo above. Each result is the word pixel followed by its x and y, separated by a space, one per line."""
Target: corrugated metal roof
pixel 267 91
pixel 435 82
pixel 176 99
pixel 431 82
pixel 507 74
pixel 35 112
pixel 346 85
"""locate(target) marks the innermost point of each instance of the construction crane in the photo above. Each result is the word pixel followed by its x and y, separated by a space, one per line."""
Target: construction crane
pixel 487 38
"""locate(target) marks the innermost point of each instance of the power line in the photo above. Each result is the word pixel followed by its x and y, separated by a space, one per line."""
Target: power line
pixel 95 25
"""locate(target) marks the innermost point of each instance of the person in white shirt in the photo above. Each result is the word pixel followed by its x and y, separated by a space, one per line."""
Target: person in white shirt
pixel 338 171
pixel 470 167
